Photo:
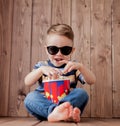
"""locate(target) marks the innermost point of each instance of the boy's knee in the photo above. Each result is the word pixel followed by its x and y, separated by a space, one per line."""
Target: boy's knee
pixel 82 93
pixel 28 99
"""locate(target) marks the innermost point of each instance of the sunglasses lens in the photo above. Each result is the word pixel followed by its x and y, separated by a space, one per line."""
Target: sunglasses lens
pixel 52 50
pixel 66 50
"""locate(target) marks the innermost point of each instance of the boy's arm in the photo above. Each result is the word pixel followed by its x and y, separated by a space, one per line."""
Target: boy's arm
pixel 88 75
pixel 33 77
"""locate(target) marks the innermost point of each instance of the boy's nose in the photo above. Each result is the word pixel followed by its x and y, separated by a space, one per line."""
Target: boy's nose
pixel 59 52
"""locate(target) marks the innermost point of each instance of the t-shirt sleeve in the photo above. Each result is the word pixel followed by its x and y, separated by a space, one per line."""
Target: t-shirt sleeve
pixel 37 65
pixel 80 77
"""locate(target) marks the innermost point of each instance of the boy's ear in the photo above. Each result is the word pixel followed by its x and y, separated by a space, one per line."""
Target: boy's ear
pixel 73 49
pixel 45 47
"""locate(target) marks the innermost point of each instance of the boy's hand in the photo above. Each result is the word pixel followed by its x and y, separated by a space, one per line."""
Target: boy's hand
pixel 52 73
pixel 71 65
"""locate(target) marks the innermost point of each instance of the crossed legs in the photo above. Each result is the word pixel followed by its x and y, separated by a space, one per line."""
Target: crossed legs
pixel 69 108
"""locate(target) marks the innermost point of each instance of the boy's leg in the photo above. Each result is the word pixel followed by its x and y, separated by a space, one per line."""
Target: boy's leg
pixel 38 105
pixel 78 97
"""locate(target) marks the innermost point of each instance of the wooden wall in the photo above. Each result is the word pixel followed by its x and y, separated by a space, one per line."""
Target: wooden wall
pixel 96 24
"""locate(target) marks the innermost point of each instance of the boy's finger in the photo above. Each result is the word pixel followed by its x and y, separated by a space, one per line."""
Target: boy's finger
pixel 68 68
pixel 64 61
pixel 65 70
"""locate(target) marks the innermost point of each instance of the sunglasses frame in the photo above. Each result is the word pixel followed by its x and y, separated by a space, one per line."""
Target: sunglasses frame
pixel 62 49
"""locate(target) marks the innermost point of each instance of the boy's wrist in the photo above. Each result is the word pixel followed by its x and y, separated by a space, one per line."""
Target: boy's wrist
pixel 41 70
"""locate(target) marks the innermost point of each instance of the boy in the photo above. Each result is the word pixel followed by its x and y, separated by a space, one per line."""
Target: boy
pixel 59 48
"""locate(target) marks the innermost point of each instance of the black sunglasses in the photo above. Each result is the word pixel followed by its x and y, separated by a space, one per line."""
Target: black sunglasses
pixel 65 50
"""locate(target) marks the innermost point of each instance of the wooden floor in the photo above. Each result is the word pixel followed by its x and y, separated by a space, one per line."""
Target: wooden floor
pixel 34 122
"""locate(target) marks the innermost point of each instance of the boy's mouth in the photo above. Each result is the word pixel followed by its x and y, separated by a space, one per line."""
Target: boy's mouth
pixel 58 59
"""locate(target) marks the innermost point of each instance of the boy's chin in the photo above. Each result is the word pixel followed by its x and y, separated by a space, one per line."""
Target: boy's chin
pixel 57 64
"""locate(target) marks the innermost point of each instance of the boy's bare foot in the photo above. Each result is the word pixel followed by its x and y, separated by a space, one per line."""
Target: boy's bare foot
pixel 61 112
pixel 75 117
pixel 76 114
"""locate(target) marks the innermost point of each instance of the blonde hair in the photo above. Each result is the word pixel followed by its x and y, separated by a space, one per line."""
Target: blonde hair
pixel 61 29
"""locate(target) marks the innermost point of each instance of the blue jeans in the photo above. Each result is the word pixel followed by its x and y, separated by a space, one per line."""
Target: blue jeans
pixel 40 107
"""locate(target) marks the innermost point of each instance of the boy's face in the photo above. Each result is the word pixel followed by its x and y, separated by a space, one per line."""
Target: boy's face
pixel 59 41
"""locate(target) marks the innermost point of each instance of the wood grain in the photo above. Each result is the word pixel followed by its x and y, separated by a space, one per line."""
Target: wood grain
pixel 101 100
pixel 6 12
pixel 41 22
pixel 116 57
pixel 61 11
pixel 34 122
pixel 20 57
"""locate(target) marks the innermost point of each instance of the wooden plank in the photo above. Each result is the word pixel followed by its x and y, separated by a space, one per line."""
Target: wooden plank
pixel 111 122
pixel 81 28
pixel 20 122
pixel 61 11
pixel 5 53
pixel 46 123
pixel 34 122
pixel 99 122
pixel 20 59
pixel 5 119
pixel 101 97
pixel 41 22
pixel 116 57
